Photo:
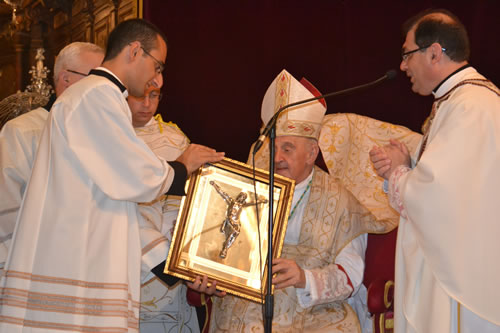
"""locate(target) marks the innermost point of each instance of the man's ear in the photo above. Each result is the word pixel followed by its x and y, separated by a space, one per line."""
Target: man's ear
pixel 436 52
pixel 64 77
pixel 313 152
pixel 133 50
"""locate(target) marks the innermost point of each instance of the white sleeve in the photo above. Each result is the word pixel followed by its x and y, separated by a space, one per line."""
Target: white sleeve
pixel 330 283
pixel 99 131
pixel 17 149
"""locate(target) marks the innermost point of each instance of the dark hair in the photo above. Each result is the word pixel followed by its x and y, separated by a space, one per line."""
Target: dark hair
pixel 130 31
pixel 450 34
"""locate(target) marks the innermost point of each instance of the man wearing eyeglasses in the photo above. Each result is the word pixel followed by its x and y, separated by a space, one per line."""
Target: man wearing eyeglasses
pixel 158 302
pixel 75 259
pixel 144 108
pixel 447 268
pixel 19 137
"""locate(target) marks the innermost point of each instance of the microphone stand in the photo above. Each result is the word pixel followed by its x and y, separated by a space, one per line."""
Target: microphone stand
pixel 269 300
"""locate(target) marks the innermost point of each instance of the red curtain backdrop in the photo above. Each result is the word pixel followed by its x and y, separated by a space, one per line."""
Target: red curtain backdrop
pixel 222 56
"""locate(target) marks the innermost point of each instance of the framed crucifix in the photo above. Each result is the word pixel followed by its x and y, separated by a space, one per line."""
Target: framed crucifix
pixel 222 227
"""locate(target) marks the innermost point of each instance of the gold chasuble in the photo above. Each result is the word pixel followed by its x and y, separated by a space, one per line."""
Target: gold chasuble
pixel 333 218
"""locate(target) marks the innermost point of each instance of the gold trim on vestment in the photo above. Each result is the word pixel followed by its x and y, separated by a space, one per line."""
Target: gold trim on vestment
pixel 64 327
pixel 153 244
pixel 60 280
pixel 387 287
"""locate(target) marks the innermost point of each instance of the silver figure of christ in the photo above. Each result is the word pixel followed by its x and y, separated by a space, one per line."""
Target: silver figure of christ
pixel 231 225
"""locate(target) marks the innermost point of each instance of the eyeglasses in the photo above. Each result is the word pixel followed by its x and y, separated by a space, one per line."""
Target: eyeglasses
pixel 153 96
pixel 76 72
pixel 161 65
pixel 406 55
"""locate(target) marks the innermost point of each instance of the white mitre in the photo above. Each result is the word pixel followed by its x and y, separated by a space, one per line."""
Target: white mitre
pixel 301 120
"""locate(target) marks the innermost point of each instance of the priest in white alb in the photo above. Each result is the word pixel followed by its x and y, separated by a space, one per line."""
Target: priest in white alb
pixel 19 137
pixel 447 269
pixel 74 264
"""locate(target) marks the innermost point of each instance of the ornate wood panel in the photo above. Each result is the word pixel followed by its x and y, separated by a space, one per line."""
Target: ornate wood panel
pixel 128 10
pixel 52 24
pixel 105 19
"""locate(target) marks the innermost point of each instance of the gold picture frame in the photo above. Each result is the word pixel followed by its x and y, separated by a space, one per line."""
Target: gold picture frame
pixel 206 224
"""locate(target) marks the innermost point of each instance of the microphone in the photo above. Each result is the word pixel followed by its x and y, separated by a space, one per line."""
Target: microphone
pixel 389 75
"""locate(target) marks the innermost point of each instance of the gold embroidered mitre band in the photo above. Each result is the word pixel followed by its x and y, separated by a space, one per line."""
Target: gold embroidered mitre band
pixel 300 120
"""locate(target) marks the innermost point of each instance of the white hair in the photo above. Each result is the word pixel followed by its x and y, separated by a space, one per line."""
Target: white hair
pixel 70 56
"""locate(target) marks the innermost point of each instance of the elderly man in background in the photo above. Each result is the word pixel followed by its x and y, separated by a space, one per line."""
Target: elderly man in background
pixel 163 299
pixel 446 255
pixel 319 275
pixel 19 137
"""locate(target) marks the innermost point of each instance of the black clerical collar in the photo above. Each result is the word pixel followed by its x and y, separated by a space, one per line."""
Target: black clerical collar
pixel 109 76
pixel 455 72
pixel 52 100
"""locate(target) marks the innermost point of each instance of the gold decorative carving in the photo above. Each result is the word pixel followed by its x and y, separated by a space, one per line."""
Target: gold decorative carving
pixel 127 10
pixel 65 22
pixel 78 6
pixel 60 19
